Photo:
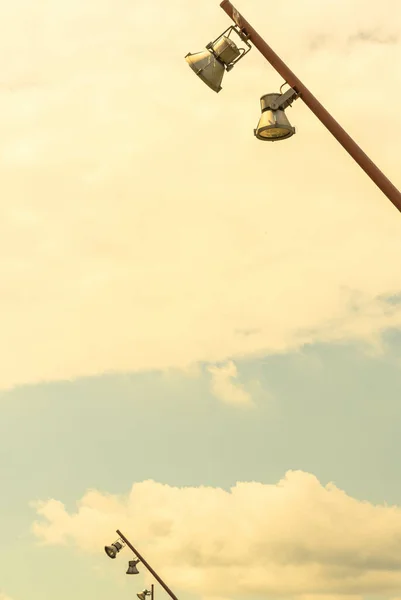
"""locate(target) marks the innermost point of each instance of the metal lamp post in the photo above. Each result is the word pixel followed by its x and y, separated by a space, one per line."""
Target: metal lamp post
pixel 112 551
pixel 273 124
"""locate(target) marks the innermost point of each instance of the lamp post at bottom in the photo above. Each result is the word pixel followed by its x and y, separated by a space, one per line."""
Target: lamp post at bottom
pixel 117 546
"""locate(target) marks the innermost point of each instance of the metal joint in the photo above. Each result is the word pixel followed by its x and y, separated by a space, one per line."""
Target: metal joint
pixel 284 100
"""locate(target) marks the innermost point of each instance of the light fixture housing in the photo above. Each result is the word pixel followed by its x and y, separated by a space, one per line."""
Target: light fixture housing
pixel 142 595
pixel 273 124
pixel 219 56
pixel 114 549
pixel 132 569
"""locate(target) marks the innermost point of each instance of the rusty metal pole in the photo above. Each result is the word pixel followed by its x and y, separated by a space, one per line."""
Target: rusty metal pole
pixel 147 565
pixel 322 114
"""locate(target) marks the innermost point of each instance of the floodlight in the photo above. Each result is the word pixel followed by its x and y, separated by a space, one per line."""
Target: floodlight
pixel 113 550
pixel 273 124
pixel 132 569
pixel 218 57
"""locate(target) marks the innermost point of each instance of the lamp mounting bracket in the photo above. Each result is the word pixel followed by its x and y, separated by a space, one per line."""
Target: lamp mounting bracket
pixel 242 36
pixel 284 100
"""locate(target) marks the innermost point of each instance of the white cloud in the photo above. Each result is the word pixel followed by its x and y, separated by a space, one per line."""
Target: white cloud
pixel 141 224
pixel 297 539
pixel 225 388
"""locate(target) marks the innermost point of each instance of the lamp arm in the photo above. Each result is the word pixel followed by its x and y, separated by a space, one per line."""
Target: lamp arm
pixel 285 100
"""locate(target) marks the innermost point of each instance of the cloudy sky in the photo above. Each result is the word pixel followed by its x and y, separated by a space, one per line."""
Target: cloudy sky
pixel 200 333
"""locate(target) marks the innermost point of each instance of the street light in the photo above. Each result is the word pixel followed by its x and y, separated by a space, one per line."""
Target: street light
pixel 132 569
pixel 218 57
pixel 114 549
pixel 273 124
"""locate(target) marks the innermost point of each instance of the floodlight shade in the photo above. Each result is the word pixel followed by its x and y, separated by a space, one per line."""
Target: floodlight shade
pixel 273 124
pixel 142 595
pixel 207 67
pixel 113 550
pixel 132 569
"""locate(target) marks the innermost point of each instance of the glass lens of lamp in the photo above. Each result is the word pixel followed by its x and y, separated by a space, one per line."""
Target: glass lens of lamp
pixel 274 125
pixel 275 133
pixel 110 551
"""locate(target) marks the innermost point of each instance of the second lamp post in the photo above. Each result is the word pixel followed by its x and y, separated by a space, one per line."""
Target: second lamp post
pixel 117 546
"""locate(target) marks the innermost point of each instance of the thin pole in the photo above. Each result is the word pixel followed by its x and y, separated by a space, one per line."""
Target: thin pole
pixel 147 565
pixel 152 592
pixel 321 113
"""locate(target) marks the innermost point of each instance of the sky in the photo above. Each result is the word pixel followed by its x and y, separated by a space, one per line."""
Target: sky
pixel 200 333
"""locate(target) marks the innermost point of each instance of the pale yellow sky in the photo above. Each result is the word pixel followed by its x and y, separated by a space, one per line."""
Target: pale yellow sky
pixel 143 226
